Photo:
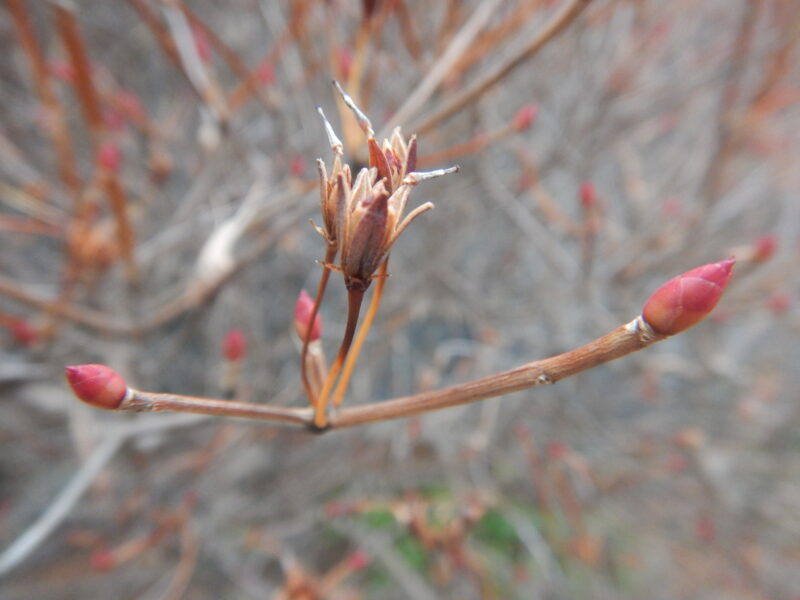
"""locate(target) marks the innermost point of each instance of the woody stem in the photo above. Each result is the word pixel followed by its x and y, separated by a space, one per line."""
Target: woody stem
pixel 330 254
pixel 352 357
pixel 355 296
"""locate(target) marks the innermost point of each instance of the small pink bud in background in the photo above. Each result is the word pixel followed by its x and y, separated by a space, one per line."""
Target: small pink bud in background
pixel 234 345
pixel 588 195
pixel 298 166
pixel 302 315
pixel 129 104
pixel 345 62
pixel 672 207
pixel 779 303
pixel 102 560
pixel 61 70
pixel 202 44
pixel 358 560
pixel 525 117
pixel 704 529
pixel 687 299
pixel 97 385
pixel 23 332
pixel 557 450
pixel 764 247
pixel 109 157
pixel 114 119
pixel 265 73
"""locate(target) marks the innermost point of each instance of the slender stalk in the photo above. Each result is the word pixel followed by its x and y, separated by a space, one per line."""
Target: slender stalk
pixel 556 25
pixel 140 401
pixel 352 357
pixel 84 86
pixel 57 128
pixel 354 299
pixel 330 254
pixel 471 146
pixel 119 207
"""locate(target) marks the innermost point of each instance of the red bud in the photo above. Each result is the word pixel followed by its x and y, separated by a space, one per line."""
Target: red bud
pixel 202 44
pixel 23 332
pixel 764 248
pixel 97 385
pixel 687 299
pixel 265 73
pixel 588 195
pixel 102 560
pixel 780 302
pixel 345 62
pixel 358 560
pixel 129 104
pixel 61 70
pixel 109 157
pixel 302 315
pixel 234 345
pixel 525 117
pixel 298 166
pixel 557 450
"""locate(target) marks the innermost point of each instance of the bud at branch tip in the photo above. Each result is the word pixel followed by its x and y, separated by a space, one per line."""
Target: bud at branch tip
pixel 688 298
pixel 97 385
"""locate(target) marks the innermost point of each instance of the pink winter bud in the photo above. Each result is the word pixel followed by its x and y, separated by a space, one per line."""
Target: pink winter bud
pixel 525 117
pixel 129 104
pixel 265 73
pixel 23 332
pixel 298 166
pixel 764 247
pixel 302 315
pixel 202 44
pixel 588 195
pixel 109 157
pixel 557 450
pixel 687 299
pixel 358 560
pixel 61 70
pixel 779 303
pixel 345 62
pixel 97 385
pixel 234 345
pixel 102 560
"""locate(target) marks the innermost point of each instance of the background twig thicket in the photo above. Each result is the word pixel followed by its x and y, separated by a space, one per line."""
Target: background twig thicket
pixel 156 193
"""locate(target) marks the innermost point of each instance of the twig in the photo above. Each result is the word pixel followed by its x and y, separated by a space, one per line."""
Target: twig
pixel 61 506
pixel 141 401
pixel 623 340
pixel 330 255
pixel 442 68
pixel 556 25
pixel 84 86
pixel 57 128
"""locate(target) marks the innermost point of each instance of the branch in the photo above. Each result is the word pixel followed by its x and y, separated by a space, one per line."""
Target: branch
pixel 677 305
pixel 556 25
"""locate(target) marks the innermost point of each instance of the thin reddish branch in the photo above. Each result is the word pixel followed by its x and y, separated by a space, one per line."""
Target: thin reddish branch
pixel 623 340
pixel 84 86
pixel 56 124
pixel 556 25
